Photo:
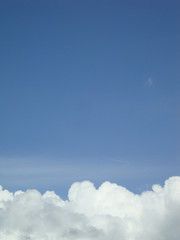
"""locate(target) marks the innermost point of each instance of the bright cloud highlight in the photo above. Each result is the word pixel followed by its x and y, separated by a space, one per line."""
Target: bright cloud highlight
pixel 110 212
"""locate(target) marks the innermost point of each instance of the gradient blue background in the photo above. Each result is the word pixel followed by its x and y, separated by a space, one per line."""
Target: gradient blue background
pixel 89 91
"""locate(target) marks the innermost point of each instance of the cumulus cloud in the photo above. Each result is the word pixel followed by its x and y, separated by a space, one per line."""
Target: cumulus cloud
pixel 109 212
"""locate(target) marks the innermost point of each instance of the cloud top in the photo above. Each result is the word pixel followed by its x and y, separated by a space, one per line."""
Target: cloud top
pixel 109 212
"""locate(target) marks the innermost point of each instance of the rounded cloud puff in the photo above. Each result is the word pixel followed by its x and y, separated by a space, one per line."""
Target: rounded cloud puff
pixel 109 212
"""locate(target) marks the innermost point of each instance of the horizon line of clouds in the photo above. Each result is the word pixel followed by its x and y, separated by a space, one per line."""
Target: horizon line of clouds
pixel 108 212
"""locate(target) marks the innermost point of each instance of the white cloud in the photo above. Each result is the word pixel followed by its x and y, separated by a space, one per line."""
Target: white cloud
pixel 109 212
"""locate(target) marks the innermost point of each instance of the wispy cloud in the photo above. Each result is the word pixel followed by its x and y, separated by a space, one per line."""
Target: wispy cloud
pixel 149 82
pixel 43 174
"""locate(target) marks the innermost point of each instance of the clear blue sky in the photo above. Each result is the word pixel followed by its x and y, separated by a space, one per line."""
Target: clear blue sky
pixel 89 90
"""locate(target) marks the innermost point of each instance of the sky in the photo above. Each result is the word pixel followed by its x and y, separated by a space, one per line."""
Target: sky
pixel 89 91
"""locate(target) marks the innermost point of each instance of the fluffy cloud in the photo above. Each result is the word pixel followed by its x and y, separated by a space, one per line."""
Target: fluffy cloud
pixel 109 212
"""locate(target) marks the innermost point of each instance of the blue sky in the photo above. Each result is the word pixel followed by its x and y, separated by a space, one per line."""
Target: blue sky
pixel 89 90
